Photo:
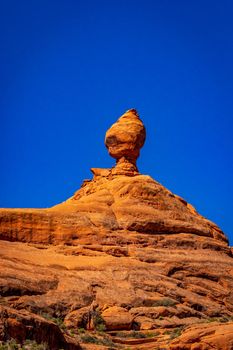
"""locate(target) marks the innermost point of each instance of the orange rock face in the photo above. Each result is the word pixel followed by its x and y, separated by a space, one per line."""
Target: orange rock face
pixel 107 206
pixel 124 140
pixel 205 337
pixel 123 254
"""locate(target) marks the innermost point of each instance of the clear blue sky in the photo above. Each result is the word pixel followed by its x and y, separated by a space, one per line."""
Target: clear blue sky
pixel 69 69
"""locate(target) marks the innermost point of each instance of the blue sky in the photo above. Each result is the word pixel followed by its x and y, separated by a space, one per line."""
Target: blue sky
pixel 69 69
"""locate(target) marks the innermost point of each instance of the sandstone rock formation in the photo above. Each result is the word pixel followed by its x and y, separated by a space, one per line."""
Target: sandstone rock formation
pixel 124 140
pixel 123 262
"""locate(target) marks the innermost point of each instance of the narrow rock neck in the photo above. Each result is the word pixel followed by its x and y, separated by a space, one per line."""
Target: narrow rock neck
pixel 125 166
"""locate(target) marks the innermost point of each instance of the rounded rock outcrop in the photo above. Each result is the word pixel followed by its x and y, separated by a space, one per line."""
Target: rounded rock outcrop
pixel 124 140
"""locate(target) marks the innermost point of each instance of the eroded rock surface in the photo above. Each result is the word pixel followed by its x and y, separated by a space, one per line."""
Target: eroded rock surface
pixel 205 337
pixel 123 257
pixel 124 140
pixel 111 206
pixel 144 289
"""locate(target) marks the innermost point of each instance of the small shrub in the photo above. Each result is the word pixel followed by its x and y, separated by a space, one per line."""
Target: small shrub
pixel 100 327
pixel 9 345
pixel 152 334
pixel 107 342
pixel 165 302
pixel 121 335
pixel 57 320
pixel 133 334
pixel 71 332
pixel 176 333
pixel 81 330
pixel 98 321
pixel 87 338
pixel 32 345
pixel 28 345
pixel 213 319
pixel 223 319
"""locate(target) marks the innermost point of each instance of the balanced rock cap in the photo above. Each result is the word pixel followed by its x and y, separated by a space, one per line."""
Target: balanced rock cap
pixel 124 140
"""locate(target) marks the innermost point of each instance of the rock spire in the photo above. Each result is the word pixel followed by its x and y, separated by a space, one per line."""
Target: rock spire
pixel 124 140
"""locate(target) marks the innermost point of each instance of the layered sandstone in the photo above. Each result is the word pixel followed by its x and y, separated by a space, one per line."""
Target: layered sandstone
pixel 123 255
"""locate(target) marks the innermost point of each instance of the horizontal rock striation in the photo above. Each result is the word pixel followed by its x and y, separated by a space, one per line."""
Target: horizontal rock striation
pixel 108 205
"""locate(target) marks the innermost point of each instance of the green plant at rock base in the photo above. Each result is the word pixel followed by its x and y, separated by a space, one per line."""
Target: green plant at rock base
pixel 81 330
pixel 152 334
pixel 71 333
pixel 132 334
pixel 28 345
pixel 57 320
pixel 98 321
pixel 101 327
pixel 165 302
pixel 9 345
pixel 137 335
pixel 108 342
pixel 213 319
pixel 176 333
pixel 87 338
pixel 223 319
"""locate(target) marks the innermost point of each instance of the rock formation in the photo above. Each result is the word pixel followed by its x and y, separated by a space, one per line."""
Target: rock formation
pixel 124 140
pixel 123 256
